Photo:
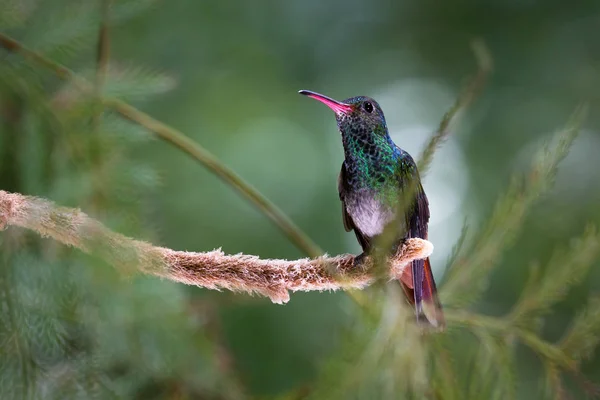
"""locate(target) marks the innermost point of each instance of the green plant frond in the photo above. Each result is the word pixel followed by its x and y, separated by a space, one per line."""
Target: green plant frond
pixel 480 376
pixel 352 342
pixel 33 158
pixel 384 359
pixel 582 338
pixel 509 334
pixel 15 378
pixel 47 337
pixel 533 280
pixel 17 366
pixel 23 81
pixel 458 247
pixel 553 385
pixel 123 10
pixel 142 177
pixel 506 368
pixel 547 159
pixel 15 12
pixel 444 377
pixel 503 354
pixel 394 351
pixel 565 269
pixel 469 279
pixel 494 368
pixel 136 83
pixel 60 34
pixel 124 131
pixel 70 103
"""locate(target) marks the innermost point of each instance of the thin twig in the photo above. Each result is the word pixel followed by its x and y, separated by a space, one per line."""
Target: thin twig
pixel 211 270
pixel 102 58
pixel 192 148
pixel 181 141
pixel 469 93
pixel 95 157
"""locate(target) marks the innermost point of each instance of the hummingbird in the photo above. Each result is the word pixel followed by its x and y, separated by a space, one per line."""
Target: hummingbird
pixel 380 190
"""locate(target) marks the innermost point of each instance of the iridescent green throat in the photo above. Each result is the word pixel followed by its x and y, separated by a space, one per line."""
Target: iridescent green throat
pixel 371 158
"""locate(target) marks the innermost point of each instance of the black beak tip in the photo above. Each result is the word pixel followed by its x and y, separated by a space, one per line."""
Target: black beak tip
pixel 304 92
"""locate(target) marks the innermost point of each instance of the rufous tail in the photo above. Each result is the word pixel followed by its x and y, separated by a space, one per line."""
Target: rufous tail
pixel 427 304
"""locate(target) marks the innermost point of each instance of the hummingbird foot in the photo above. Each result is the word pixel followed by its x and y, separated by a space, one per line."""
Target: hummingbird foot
pixel 396 247
pixel 359 260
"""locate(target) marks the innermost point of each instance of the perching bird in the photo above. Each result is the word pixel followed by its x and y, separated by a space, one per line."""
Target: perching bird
pixel 378 180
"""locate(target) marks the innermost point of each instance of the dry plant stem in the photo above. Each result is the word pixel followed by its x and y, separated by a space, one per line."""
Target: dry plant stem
pixel 179 140
pixel 211 270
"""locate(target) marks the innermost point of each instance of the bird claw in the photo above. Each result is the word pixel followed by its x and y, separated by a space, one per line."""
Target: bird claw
pixel 359 260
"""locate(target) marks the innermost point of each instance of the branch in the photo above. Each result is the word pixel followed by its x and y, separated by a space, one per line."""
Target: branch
pixel 545 350
pixel 211 270
pixel 179 140
pixel 552 355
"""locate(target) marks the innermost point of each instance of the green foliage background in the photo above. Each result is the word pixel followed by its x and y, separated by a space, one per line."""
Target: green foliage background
pixel 226 73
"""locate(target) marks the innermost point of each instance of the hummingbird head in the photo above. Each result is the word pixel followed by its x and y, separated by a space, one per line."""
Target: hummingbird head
pixel 358 117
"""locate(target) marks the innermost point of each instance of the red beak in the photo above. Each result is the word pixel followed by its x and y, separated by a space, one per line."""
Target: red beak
pixel 337 106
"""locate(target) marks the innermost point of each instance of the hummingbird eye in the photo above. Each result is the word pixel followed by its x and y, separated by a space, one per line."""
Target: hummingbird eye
pixel 368 107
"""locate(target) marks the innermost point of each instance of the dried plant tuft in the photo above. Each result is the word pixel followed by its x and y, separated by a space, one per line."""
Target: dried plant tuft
pixel 211 270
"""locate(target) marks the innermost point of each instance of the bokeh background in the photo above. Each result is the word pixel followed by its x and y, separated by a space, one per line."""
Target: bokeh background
pixel 233 69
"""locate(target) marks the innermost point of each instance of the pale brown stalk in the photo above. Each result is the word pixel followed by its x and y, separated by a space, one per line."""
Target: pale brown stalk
pixel 213 269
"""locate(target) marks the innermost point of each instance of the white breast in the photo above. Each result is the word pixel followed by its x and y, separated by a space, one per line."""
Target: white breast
pixel 369 215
